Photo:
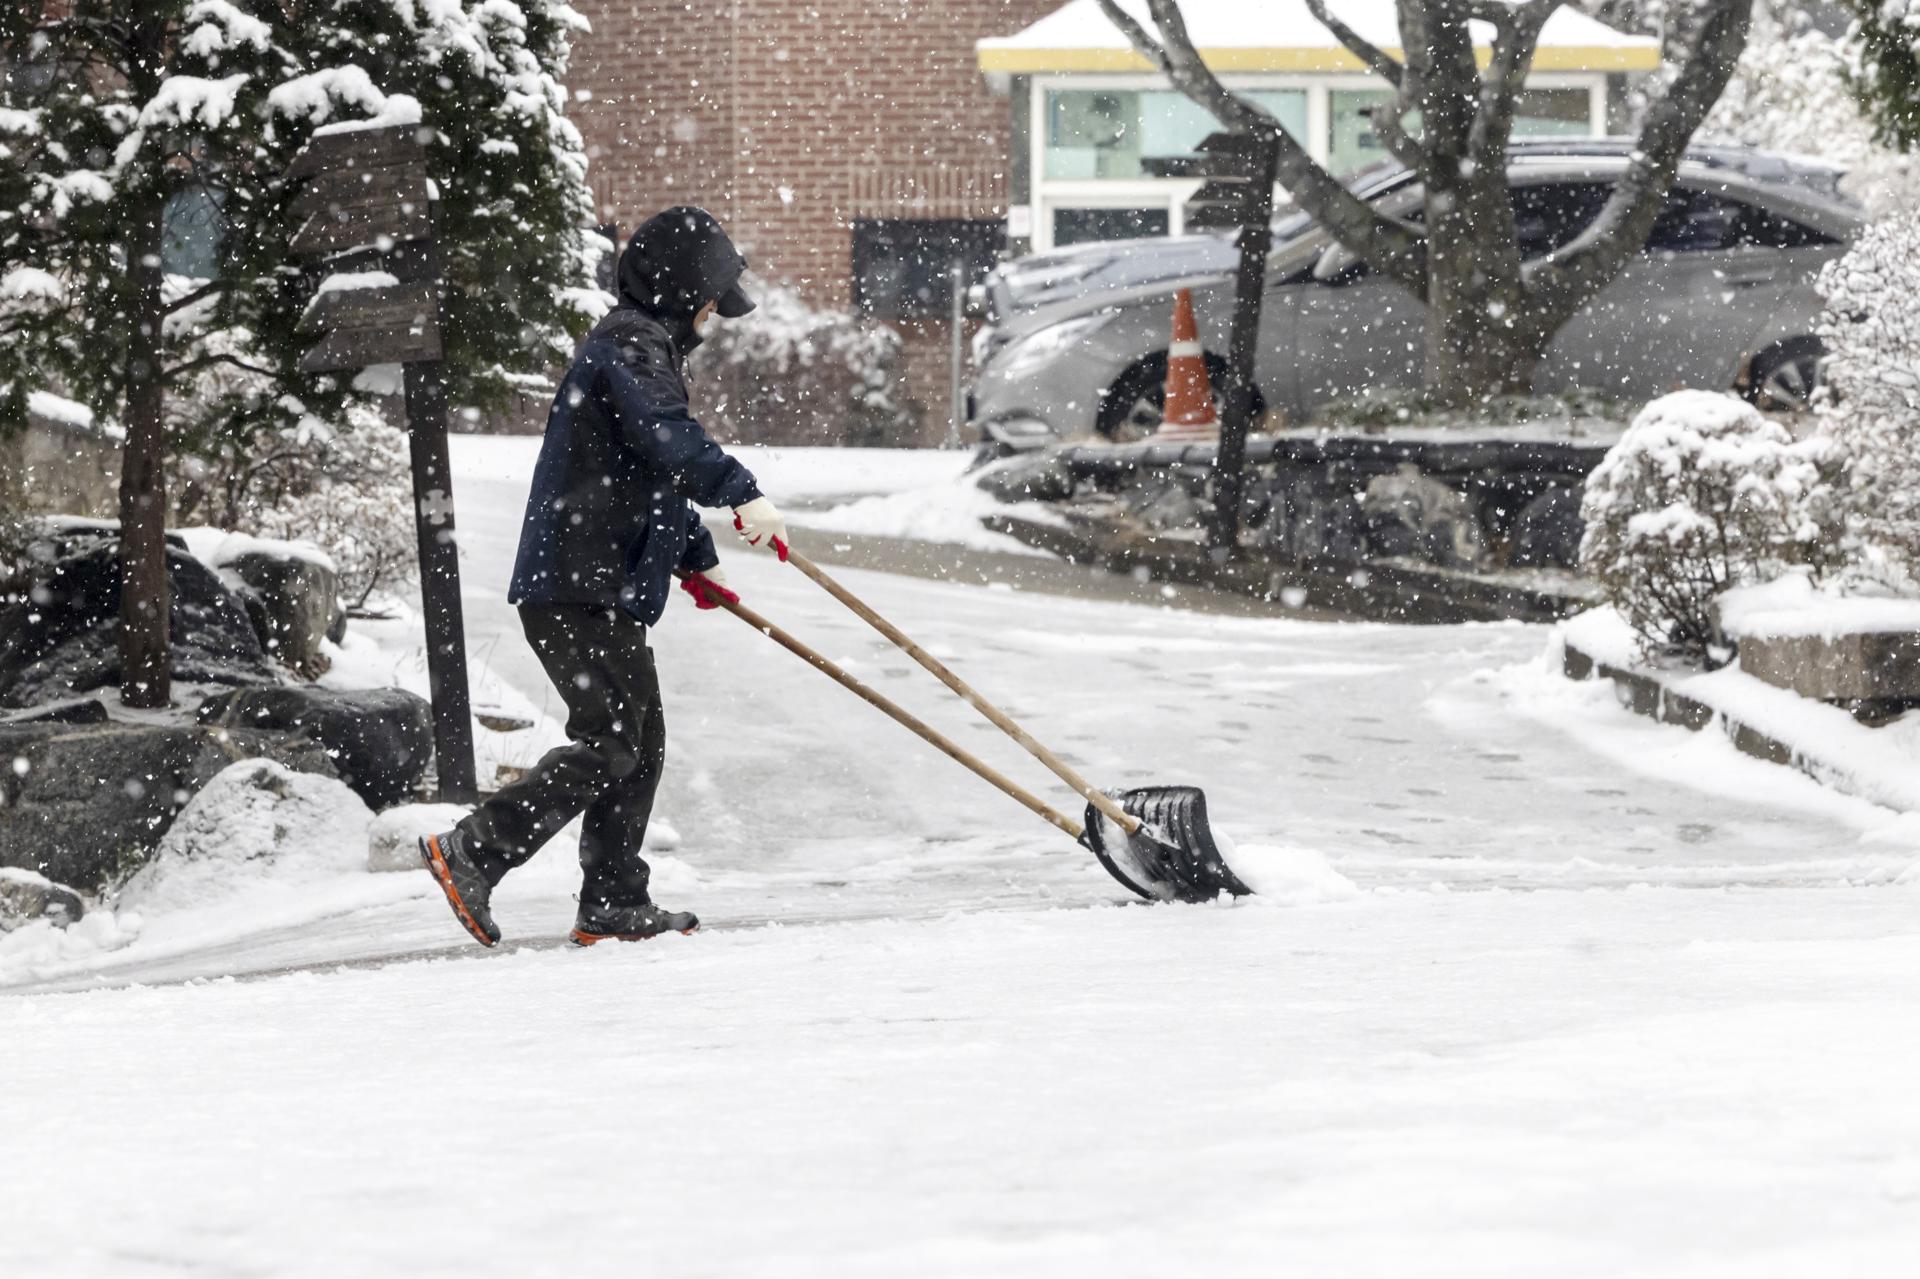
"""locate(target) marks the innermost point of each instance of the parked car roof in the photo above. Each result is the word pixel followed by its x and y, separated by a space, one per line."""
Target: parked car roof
pixel 1103 266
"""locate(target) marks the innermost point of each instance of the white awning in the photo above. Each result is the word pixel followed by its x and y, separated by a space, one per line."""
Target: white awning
pixel 1284 36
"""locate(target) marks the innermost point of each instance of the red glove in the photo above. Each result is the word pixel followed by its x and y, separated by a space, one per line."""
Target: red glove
pixel 708 589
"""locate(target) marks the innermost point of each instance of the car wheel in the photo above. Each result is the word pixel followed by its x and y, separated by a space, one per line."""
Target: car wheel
pixel 1784 378
pixel 1135 406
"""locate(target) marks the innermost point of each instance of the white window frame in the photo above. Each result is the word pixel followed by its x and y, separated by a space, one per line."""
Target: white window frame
pixel 1049 194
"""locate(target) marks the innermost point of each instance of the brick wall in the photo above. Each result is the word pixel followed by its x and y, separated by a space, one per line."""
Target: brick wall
pixel 791 118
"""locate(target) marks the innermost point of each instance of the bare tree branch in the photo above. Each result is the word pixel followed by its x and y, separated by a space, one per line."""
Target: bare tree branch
pixel 1366 50
pixel 1568 279
pixel 1519 35
pixel 208 361
pixel 200 294
pixel 1392 247
pixel 1387 123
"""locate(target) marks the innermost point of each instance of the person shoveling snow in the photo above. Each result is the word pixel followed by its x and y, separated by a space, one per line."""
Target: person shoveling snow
pixel 608 526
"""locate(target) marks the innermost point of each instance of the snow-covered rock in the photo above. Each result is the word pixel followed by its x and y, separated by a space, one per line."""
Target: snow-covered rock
pixel 392 837
pixel 252 822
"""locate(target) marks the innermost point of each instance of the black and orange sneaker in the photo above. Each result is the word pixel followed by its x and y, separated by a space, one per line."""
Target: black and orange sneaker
pixel 599 921
pixel 466 888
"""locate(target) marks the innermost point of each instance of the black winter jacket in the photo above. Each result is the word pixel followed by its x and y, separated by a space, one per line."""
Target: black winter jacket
pixel 608 521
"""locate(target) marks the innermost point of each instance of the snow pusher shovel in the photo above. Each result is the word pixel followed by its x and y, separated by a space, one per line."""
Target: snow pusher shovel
pixel 1154 839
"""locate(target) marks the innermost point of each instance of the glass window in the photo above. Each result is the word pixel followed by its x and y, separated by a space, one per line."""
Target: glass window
pixel 1762 229
pixel 1077 226
pixel 1694 222
pixel 902 267
pixel 1354 144
pixel 1548 215
pixel 1537 113
pixel 1104 133
pixel 1552 113
pixel 190 234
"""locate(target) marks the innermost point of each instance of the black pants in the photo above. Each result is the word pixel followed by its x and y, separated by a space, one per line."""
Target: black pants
pixel 600 662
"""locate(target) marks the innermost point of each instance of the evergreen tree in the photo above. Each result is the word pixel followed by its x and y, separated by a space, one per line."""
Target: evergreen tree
pixel 1887 67
pixel 119 119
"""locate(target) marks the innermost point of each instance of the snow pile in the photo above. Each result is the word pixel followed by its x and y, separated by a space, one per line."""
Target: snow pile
pixel 393 837
pixel 1286 875
pixel 1703 493
pixel 1794 605
pixel 254 824
pixel 40 947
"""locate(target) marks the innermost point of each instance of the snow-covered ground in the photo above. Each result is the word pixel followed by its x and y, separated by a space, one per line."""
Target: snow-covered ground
pixel 1542 988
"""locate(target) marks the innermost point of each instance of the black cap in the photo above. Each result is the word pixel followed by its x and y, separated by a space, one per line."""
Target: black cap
pixel 678 261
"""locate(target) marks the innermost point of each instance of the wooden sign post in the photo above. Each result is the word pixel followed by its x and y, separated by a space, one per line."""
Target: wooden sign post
pixel 369 213
pixel 1240 170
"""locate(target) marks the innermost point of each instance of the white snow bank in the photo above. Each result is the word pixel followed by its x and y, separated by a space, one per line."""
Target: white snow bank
pixel 790 475
pixel 1601 634
pixel 1793 606
pixel 255 824
pixel 950 513
pixel 218 547
pixel 39 947
pixel 1881 765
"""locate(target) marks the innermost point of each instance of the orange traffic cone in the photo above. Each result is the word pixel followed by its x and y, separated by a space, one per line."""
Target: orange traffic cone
pixel 1189 413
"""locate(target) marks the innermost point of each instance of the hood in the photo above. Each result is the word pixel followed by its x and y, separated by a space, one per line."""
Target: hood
pixel 676 262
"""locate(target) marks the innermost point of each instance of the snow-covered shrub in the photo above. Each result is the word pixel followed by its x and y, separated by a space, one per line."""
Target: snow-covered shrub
pixel 1796 90
pixel 1703 492
pixel 347 489
pixel 1870 404
pixel 793 373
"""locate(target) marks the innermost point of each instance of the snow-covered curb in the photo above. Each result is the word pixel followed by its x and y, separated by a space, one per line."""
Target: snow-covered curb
pixel 1881 765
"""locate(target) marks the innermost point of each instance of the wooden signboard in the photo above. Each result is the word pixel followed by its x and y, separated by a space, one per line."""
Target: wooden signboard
pixel 1240 169
pixel 367 206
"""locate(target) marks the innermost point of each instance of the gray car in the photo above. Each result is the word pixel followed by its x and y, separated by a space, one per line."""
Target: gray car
pixel 1075 342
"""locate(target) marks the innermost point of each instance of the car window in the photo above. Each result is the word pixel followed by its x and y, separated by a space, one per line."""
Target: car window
pixel 1765 229
pixel 1694 222
pixel 1699 221
pixel 1548 215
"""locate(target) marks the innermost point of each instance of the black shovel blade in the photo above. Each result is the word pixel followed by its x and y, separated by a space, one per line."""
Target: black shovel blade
pixel 1173 856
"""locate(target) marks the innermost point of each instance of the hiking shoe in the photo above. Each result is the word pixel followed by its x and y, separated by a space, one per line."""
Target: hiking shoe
pixel 466 888
pixel 598 922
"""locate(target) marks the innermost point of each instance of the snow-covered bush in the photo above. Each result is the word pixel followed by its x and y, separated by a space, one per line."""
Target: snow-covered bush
pixel 1703 492
pixel 793 373
pixel 348 489
pixel 1870 404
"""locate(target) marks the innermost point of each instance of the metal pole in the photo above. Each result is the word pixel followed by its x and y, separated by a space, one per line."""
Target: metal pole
pixel 440 581
pixel 1250 283
pixel 957 284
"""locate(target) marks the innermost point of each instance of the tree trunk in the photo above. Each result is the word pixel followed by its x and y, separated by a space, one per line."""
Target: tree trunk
pixel 146 604
pixel 1479 339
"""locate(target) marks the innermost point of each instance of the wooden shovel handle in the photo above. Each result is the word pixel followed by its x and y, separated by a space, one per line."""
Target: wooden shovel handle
pixel 1001 720
pixel 900 715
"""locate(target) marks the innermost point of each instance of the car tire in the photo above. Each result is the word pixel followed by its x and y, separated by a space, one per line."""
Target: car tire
pixel 1784 377
pixel 1134 406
